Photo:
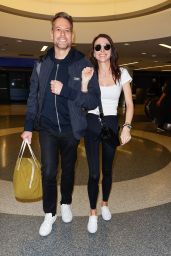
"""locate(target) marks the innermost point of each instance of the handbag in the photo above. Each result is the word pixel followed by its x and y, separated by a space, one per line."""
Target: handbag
pixel 27 181
pixel 107 134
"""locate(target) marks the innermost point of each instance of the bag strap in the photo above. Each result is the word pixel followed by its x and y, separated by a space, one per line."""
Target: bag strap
pixel 20 155
pixel 32 153
pixel 32 173
pixel 21 149
pixel 101 109
pixel 21 152
pixel 101 114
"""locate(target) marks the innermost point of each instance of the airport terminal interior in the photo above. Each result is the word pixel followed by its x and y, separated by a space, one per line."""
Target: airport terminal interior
pixel 140 200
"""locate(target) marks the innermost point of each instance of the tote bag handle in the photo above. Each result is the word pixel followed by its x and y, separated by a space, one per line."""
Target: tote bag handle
pixel 21 152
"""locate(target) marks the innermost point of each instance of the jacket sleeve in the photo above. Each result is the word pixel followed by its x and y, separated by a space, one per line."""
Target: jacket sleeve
pixel 32 102
pixel 89 100
pixel 68 93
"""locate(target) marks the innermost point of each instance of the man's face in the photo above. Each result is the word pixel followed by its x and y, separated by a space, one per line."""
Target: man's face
pixel 62 35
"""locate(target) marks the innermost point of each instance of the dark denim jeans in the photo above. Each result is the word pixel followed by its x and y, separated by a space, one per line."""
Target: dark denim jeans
pixel 52 146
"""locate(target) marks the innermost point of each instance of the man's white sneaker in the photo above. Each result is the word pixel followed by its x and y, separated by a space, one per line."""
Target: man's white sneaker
pixel 106 215
pixel 66 213
pixel 92 224
pixel 46 226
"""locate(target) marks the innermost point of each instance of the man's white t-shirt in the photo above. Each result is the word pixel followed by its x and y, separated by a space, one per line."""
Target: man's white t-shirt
pixel 110 95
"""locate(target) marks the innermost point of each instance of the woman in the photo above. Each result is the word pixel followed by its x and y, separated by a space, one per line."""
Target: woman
pixel 112 79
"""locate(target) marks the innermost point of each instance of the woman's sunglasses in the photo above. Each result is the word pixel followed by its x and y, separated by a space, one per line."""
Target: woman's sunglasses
pixel 98 47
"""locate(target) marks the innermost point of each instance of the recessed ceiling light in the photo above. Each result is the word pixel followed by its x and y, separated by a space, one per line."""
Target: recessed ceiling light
pixel 165 45
pixel 130 63
pixel 44 48
pixel 126 43
pixel 143 53
pixel 19 41
pixel 153 55
pixel 153 67
pixel 156 61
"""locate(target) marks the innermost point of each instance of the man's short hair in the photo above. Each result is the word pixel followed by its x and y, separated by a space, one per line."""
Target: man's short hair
pixel 63 15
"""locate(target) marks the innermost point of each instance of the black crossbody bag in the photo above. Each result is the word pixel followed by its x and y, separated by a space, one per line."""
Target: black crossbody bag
pixel 107 134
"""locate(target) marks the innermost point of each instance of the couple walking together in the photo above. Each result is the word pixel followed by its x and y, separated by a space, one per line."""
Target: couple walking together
pixel 63 105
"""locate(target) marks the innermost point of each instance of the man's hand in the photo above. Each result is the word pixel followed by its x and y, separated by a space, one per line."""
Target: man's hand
pixel 27 136
pixel 56 87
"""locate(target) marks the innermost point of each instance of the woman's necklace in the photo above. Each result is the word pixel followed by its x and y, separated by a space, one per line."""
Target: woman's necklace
pixel 105 78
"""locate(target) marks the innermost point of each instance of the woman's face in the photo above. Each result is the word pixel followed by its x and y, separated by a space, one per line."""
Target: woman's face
pixel 102 50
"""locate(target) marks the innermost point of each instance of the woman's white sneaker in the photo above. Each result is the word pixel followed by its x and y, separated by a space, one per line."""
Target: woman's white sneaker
pixel 46 226
pixel 106 215
pixel 92 224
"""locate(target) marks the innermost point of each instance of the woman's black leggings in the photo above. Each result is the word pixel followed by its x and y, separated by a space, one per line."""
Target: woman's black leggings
pixel 92 143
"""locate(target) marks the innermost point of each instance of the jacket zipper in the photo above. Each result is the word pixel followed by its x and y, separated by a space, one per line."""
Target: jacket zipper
pixel 56 109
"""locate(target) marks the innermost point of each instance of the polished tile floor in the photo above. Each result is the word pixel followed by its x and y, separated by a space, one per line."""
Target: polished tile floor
pixel 140 199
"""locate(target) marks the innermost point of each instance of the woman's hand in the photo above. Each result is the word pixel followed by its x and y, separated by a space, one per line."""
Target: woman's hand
pixel 125 135
pixel 56 87
pixel 86 75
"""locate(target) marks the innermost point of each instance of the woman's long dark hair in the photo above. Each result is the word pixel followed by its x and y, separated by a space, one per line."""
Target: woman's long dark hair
pixel 113 59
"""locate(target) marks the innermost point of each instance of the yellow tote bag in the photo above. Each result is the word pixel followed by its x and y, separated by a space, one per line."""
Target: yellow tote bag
pixel 27 181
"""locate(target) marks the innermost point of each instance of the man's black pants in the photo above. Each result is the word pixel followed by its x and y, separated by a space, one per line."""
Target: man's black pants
pixel 53 145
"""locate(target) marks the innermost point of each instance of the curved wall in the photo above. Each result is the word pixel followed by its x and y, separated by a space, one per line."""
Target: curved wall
pixel 77 8
pixel 135 29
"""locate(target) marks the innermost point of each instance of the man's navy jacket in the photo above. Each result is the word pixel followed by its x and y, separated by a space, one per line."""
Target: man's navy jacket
pixel 78 102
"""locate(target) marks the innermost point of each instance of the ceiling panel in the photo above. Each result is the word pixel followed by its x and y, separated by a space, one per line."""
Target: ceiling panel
pixel 155 54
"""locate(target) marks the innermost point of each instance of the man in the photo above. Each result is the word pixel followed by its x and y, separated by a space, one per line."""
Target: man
pixel 163 111
pixel 60 93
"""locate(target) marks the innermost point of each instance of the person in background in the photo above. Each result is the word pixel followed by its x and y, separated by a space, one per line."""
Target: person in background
pixel 154 89
pixel 60 93
pixel 112 80
pixel 164 107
